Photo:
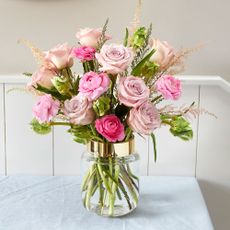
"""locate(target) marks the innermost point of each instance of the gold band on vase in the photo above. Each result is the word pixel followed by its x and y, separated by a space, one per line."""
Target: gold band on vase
pixel 104 149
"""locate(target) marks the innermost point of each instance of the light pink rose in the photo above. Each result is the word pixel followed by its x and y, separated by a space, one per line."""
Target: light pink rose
pixel 59 57
pixel 90 37
pixel 84 53
pixel 132 91
pixel 79 110
pixel 46 108
pixel 144 118
pixel 110 127
pixel 42 77
pixel 93 85
pixel 164 53
pixel 169 87
pixel 114 58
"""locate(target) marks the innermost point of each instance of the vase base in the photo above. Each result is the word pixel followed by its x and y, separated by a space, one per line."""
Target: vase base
pixel 119 210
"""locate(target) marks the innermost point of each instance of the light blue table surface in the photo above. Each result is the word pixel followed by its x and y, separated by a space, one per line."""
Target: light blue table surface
pixel 54 203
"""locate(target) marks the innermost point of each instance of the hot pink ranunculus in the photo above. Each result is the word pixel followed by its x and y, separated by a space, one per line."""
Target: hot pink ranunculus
pixel 169 87
pixel 114 58
pixel 84 53
pixel 90 37
pixel 132 91
pixel 93 85
pixel 164 54
pixel 144 118
pixel 79 110
pixel 46 108
pixel 59 57
pixel 42 77
pixel 110 127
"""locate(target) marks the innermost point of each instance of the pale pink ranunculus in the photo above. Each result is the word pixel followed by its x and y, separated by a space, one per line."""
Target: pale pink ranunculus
pixel 79 110
pixel 42 77
pixel 110 127
pixel 90 37
pixel 164 53
pixel 59 57
pixel 46 108
pixel 84 53
pixel 93 85
pixel 114 58
pixel 169 87
pixel 144 118
pixel 132 91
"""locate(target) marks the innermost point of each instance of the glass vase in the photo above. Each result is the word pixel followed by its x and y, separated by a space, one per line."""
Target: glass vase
pixel 110 185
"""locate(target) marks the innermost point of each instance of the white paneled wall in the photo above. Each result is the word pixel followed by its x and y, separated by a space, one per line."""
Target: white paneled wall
pixel 67 153
pixel 27 152
pixel 2 131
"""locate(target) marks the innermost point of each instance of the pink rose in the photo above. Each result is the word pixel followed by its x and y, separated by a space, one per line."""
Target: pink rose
pixel 46 108
pixel 79 110
pixel 84 53
pixel 164 54
pixel 132 91
pixel 110 127
pixel 90 37
pixel 93 85
pixel 59 57
pixel 114 58
pixel 42 77
pixel 169 87
pixel 144 118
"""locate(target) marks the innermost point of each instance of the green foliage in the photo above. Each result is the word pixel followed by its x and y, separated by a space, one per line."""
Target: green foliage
pixel 143 49
pixel 149 69
pixel 125 43
pixel 102 105
pixel 40 128
pixel 53 92
pixel 137 70
pixel 27 74
pixel 76 84
pixel 154 146
pixel 139 38
pixel 61 84
pixel 81 133
pixel 179 127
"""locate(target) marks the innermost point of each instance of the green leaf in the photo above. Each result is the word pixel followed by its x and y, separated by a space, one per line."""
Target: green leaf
pixel 139 38
pixel 40 128
pixel 76 84
pixel 101 105
pixel 27 74
pixel 138 68
pixel 61 84
pixel 154 146
pixel 81 133
pixel 126 37
pixel 181 128
pixel 53 92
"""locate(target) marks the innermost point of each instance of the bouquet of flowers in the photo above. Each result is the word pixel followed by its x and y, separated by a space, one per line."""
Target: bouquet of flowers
pixel 118 93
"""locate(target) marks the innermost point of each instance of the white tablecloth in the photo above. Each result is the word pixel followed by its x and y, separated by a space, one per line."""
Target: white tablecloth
pixel 54 203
